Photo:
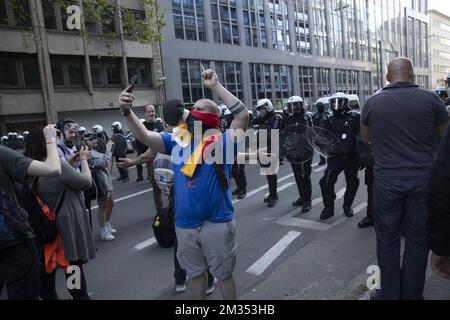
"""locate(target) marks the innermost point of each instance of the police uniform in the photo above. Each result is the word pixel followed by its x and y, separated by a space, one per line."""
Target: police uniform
pixel 367 161
pixel 346 128
pixel 319 119
pixel 271 120
pixel 302 171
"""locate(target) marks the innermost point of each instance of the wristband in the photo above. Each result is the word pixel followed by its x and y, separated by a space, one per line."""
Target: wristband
pixel 126 113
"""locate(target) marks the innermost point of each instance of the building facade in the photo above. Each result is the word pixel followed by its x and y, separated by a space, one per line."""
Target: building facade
pixel 278 48
pixel 440 47
pixel 69 74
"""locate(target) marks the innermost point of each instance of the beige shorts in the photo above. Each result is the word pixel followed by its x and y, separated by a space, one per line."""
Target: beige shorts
pixel 209 246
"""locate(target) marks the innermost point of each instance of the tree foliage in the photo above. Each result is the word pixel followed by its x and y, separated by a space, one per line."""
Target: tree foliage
pixel 103 16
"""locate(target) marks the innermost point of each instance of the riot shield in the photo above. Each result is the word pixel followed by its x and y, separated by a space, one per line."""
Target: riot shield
pixel 294 144
pixel 325 142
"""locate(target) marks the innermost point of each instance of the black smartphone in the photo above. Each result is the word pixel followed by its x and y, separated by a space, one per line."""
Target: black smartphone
pixel 132 83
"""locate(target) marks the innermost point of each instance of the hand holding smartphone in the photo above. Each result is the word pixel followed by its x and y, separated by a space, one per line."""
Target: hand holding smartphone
pixel 132 83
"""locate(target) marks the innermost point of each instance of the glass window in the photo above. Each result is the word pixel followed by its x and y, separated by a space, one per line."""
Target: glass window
pixel 223 14
pixel 97 75
pixel 75 74
pixel 189 20
pixel 3 14
pixel 113 73
pixel 31 72
pixel 57 74
pixel 8 72
pixel 48 9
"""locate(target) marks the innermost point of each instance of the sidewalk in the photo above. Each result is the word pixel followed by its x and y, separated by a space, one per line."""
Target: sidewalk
pixel 333 267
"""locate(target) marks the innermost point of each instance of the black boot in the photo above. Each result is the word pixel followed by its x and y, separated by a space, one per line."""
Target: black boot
pixel 236 191
pixel 298 202
pixel 306 207
pixel 266 199
pixel 348 212
pixel 366 222
pixel 272 201
pixel 326 214
pixel 242 194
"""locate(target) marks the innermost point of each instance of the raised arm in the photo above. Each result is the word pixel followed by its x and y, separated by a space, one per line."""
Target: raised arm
pixel 236 107
pixel 143 158
pixel 149 138
pixel 52 165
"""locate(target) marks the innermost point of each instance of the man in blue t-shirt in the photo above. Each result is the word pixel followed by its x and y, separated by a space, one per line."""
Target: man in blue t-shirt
pixel 204 214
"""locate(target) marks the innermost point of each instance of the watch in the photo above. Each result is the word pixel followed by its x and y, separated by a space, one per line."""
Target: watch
pixel 126 113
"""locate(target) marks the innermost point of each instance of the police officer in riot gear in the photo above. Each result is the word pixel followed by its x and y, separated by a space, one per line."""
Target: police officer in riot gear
pixel 319 119
pixel 345 124
pixel 367 162
pixel 302 171
pixel 442 93
pixel 269 118
pixel 116 128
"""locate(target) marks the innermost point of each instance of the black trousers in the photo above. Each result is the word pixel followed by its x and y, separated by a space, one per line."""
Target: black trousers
pixel 369 180
pixel 238 172
pixel 328 181
pixel 272 181
pixel 48 284
pixel 122 171
pixel 302 174
pixel 19 270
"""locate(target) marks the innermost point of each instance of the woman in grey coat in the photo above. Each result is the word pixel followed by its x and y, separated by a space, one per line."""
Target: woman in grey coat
pixel 72 220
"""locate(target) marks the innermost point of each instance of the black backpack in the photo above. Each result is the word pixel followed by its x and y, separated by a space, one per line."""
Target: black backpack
pixel 164 228
pixel 14 226
pixel 43 227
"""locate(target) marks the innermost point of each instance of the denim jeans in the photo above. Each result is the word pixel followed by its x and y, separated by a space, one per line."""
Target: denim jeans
pixel 400 209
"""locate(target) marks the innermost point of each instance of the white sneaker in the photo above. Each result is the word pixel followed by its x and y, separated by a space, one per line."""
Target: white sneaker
pixel 106 236
pixel 212 287
pixel 180 288
pixel 110 229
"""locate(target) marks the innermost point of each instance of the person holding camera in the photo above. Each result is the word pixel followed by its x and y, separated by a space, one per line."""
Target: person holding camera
pixel 98 163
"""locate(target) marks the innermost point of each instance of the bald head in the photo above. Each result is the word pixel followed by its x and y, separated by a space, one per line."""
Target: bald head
pixel 400 69
pixel 206 105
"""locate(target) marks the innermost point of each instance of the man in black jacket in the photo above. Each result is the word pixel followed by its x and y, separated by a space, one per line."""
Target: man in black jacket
pixel 438 223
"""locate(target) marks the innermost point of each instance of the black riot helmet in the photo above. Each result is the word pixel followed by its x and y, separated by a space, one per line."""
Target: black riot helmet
pixel 339 103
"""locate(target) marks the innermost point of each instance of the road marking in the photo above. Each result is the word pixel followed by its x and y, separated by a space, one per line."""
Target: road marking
pixel 255 191
pixel 287 185
pixel 128 197
pixel 145 244
pixel 357 210
pixel 265 261
pixel 320 169
pixel 289 220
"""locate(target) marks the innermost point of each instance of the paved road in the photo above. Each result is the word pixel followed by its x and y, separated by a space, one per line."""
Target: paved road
pixel 281 254
pixel 135 267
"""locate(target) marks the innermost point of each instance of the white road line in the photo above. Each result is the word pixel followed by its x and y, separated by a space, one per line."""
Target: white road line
pixel 357 210
pixel 287 185
pixel 315 164
pixel 290 221
pixel 320 169
pixel 255 191
pixel 264 262
pixel 129 196
pixel 145 244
